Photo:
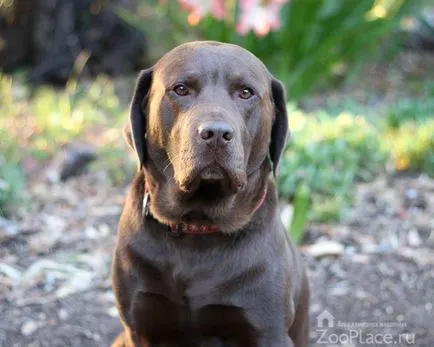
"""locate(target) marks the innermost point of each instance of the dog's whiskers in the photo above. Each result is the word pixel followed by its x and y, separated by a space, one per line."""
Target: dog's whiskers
pixel 167 166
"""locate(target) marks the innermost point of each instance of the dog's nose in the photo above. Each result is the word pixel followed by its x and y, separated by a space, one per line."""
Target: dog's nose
pixel 216 132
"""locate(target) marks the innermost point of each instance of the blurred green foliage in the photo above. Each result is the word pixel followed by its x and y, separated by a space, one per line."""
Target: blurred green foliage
pixel 62 116
pixel 410 133
pixel 420 109
pixel 11 186
pixel 42 121
pixel 115 162
pixel 35 126
pixel 412 146
pixel 329 155
pixel 302 203
pixel 11 175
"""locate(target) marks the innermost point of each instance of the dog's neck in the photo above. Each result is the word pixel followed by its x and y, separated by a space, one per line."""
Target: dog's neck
pixel 192 228
pixel 169 206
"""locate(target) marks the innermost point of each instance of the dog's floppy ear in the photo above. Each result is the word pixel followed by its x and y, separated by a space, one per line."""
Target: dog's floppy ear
pixel 135 131
pixel 279 131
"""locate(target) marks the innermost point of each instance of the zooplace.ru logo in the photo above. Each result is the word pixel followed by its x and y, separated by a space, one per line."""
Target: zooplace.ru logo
pixel 351 333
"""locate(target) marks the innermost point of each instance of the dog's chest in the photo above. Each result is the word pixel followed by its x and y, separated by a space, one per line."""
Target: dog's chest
pixel 191 291
pixel 196 273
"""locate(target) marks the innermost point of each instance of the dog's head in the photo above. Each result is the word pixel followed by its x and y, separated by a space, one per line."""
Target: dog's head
pixel 205 118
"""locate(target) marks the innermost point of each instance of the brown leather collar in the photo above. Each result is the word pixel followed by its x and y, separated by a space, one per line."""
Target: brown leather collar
pixel 179 229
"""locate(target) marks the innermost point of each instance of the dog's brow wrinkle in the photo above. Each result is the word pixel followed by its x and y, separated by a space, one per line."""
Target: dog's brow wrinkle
pixel 190 76
pixel 238 79
pixel 233 75
pixel 172 78
pixel 214 76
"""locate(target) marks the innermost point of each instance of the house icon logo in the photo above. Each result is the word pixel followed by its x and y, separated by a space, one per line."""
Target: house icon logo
pixel 325 320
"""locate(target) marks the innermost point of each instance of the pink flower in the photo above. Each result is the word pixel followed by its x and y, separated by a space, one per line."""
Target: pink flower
pixel 261 16
pixel 200 8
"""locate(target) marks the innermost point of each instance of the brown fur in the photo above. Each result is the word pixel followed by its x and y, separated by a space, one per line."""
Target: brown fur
pixel 243 286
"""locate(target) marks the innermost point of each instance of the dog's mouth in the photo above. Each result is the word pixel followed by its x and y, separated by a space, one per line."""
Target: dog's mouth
pixel 213 173
pixel 213 178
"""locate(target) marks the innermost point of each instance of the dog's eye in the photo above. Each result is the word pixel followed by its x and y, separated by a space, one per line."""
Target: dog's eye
pixel 246 93
pixel 181 89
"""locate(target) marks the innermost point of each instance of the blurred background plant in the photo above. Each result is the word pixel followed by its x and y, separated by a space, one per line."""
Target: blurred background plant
pixel 303 42
pixel 11 176
pixel 329 155
pixel 417 110
pixel 34 127
pixel 316 47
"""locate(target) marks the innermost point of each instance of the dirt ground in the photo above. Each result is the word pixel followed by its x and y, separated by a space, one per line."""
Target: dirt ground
pixel 383 280
pixel 375 271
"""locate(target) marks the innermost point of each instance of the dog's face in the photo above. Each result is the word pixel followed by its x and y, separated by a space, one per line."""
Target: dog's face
pixel 211 114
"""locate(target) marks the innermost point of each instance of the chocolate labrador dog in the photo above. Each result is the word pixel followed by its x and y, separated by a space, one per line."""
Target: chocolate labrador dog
pixel 202 257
